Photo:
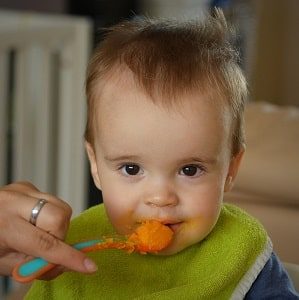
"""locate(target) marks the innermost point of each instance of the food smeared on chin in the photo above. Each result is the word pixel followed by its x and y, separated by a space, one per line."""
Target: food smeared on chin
pixel 151 237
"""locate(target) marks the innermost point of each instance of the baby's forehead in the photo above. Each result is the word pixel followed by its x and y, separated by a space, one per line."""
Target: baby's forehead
pixel 123 95
pixel 121 82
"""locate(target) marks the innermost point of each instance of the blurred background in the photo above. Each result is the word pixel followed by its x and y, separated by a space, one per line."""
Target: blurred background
pixel 44 48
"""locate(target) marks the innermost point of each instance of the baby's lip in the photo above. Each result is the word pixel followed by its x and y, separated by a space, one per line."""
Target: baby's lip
pixel 170 223
pixel 174 226
pixel 164 221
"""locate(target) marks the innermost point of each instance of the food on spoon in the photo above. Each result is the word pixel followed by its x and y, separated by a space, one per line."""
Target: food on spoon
pixel 151 236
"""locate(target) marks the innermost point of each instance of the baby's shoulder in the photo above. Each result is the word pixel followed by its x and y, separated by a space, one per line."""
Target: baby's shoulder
pixel 272 282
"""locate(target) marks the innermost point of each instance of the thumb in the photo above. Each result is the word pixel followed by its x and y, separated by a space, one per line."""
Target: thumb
pixel 35 242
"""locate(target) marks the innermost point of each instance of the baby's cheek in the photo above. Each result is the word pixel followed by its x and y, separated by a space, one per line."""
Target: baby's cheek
pixel 112 209
pixel 196 230
pixel 119 217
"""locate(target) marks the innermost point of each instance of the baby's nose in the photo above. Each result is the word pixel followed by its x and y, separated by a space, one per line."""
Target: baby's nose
pixel 162 197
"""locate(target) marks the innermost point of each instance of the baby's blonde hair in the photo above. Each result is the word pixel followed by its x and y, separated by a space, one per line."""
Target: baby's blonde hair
pixel 173 57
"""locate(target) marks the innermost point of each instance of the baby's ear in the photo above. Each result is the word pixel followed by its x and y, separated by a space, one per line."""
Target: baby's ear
pixel 233 169
pixel 93 164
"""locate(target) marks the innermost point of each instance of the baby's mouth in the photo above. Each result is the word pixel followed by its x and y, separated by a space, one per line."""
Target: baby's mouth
pixel 174 226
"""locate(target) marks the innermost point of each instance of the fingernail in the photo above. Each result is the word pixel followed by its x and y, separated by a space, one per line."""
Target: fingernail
pixel 90 265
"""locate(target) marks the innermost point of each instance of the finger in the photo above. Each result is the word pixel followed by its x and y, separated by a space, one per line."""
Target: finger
pixel 28 189
pixel 22 187
pixel 8 261
pixel 52 218
pixel 35 242
pixel 55 200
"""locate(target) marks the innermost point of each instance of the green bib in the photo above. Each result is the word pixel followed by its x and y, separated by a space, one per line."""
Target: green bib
pixel 222 266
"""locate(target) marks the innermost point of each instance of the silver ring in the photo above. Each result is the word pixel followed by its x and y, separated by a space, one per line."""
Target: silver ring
pixel 36 210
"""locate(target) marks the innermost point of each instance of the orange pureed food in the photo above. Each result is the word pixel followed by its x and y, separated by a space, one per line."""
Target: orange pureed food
pixel 151 236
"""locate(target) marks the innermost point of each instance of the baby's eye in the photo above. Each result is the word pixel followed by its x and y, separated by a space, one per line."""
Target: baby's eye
pixel 191 171
pixel 131 169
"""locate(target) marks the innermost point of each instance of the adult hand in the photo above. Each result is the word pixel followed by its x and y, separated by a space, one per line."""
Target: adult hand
pixel 19 238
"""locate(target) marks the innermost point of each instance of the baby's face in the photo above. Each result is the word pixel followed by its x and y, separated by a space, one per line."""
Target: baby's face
pixel 164 164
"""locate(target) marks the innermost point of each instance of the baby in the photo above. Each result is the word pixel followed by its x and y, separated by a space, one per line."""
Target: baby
pixel 165 139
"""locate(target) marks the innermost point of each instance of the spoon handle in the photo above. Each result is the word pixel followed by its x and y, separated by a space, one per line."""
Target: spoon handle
pixel 29 270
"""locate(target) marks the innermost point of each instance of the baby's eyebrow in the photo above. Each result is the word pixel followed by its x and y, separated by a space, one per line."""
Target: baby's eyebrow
pixel 206 160
pixel 117 158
